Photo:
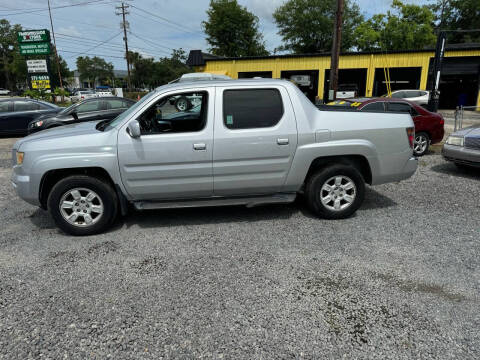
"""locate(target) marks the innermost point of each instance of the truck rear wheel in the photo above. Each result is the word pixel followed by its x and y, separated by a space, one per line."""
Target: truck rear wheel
pixel 83 205
pixel 335 192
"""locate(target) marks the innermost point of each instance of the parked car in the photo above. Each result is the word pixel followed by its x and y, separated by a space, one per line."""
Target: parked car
pixel 87 110
pixel 104 91
pixel 184 103
pixel 82 95
pixel 429 126
pixel 419 97
pixel 252 142
pixel 17 113
pixel 4 92
pixel 463 147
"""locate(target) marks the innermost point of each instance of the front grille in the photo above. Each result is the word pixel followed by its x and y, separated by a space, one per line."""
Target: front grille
pixel 472 143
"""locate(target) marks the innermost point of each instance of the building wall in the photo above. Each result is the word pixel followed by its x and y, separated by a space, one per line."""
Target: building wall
pixel 369 61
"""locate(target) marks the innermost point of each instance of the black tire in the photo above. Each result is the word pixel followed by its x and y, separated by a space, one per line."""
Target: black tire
pixel 183 104
pixel 104 191
pixel 313 191
pixel 424 136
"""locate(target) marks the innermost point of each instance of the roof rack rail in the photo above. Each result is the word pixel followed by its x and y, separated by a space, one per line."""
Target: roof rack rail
pixel 200 77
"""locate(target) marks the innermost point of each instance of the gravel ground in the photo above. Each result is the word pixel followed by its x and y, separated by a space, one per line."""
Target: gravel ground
pixel 401 279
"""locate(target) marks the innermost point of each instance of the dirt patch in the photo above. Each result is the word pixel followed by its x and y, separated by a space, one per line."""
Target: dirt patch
pixel 103 248
pixel 149 265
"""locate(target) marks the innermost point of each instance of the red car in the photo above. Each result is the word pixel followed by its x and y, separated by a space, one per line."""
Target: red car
pixel 428 125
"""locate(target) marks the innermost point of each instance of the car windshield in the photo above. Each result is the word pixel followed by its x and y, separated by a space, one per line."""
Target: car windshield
pixel 67 109
pixel 132 109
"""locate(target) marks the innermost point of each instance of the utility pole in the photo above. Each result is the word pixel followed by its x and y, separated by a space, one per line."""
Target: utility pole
pixel 55 48
pixel 337 40
pixel 125 24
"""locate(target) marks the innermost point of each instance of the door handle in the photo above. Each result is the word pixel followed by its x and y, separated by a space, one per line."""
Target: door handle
pixel 199 147
pixel 282 141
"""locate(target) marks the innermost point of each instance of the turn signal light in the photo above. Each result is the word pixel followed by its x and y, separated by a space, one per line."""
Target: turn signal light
pixel 20 157
pixel 411 136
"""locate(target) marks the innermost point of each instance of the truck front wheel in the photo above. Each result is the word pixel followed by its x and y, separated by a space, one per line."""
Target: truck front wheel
pixel 335 192
pixel 83 205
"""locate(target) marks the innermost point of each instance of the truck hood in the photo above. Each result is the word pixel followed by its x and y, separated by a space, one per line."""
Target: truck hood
pixel 61 132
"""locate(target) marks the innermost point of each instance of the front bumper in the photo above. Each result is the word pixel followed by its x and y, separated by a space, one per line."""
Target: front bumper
pixel 462 155
pixel 23 187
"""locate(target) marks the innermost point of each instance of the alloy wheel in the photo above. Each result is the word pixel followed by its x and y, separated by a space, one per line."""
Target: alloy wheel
pixel 338 193
pixel 81 207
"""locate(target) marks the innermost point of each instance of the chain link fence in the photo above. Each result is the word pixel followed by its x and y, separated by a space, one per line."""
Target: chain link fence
pixel 466 116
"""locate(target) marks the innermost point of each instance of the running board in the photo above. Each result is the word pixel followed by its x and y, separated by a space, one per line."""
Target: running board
pixel 219 201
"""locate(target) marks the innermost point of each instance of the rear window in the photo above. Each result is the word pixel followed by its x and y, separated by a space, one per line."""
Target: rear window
pixel 399 107
pixel 252 108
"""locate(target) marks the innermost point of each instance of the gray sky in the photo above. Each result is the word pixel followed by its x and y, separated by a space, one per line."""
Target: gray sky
pixel 156 26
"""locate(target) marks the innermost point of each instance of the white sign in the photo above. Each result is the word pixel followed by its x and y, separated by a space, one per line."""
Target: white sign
pixel 37 66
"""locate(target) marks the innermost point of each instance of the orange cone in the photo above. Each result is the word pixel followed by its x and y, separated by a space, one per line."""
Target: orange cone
pixel 138 97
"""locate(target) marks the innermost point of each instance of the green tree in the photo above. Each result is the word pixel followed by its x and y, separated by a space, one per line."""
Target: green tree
pixel 232 30
pixel 306 26
pixel 405 27
pixel 93 69
pixel 150 73
pixel 458 15
pixel 13 70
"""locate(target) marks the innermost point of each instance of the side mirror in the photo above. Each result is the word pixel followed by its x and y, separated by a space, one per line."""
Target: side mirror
pixel 75 115
pixel 133 129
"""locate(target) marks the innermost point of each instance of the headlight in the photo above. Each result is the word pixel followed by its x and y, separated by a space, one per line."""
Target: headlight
pixel 455 140
pixel 38 123
pixel 20 156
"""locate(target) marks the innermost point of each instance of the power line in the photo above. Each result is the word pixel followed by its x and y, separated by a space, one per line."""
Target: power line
pixel 102 55
pixel 94 47
pixel 181 26
pixel 92 2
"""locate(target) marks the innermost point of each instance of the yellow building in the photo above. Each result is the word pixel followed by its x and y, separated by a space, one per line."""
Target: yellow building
pixel 361 72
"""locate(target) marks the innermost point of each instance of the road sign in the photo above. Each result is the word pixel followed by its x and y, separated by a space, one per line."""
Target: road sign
pixel 31 36
pixel 35 49
pixel 40 82
pixel 37 66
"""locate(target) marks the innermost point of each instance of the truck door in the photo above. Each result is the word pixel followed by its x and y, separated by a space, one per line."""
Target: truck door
pixel 255 138
pixel 173 156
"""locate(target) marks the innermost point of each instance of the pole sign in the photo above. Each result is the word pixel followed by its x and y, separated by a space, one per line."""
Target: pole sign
pixel 40 82
pixel 31 36
pixel 37 66
pixel 35 49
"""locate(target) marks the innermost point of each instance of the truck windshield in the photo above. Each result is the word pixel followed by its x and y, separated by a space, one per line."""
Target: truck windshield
pixel 114 122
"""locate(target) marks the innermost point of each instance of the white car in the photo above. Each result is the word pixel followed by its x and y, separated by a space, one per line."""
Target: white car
pixel 419 97
pixel 103 93
pixel 82 95
pixel 4 91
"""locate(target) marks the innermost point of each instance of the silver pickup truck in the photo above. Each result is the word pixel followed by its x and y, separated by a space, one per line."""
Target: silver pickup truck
pixel 246 142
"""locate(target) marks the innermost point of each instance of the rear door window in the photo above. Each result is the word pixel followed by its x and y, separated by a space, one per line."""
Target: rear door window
pixel 374 106
pixel 252 108
pixel 398 95
pixel 25 106
pixel 115 104
pixel 5 106
pixel 89 106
